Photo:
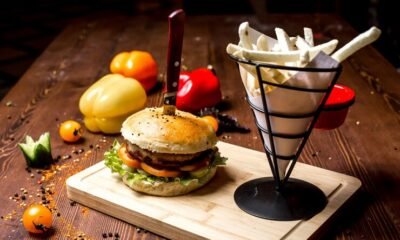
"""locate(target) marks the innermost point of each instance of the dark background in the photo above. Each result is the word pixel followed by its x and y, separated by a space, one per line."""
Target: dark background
pixel 27 27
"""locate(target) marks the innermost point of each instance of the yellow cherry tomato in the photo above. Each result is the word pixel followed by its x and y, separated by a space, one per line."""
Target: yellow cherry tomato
pixel 212 121
pixel 70 131
pixel 37 219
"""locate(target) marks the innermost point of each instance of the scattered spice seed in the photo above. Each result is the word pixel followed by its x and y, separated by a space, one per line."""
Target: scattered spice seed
pixel 110 234
pixel 104 235
pixel 16 195
pixel 9 103
pixel 72 203
pixel 23 198
pixel 90 146
pixel 116 235
pixel 58 214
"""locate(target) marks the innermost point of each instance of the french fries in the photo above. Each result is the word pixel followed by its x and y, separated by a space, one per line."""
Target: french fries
pixel 283 40
pixel 309 36
pixel 357 43
pixel 288 51
pixel 278 57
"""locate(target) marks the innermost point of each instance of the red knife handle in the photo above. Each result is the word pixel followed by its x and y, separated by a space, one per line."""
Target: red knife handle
pixel 175 37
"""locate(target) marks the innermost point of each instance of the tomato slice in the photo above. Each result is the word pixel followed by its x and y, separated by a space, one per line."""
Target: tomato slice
pixel 127 159
pixel 159 172
pixel 195 166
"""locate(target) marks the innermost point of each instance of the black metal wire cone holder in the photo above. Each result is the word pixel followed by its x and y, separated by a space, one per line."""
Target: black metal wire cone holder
pixel 277 198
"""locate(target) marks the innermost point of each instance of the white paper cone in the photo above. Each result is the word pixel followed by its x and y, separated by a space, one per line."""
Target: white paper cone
pixel 284 147
pixel 285 101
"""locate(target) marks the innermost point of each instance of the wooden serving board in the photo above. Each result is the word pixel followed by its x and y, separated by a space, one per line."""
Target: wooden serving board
pixel 209 212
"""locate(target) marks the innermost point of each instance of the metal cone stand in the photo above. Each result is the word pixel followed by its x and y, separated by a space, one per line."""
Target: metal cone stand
pixel 283 198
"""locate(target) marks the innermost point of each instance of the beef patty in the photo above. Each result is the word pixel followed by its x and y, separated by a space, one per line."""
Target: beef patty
pixel 167 160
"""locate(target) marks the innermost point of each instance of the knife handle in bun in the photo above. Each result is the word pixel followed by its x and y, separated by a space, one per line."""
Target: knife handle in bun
pixel 175 37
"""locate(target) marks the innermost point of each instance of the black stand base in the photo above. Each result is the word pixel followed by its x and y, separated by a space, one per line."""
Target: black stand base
pixel 297 200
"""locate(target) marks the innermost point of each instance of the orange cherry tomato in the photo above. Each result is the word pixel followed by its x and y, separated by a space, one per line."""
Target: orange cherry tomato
pixel 195 166
pixel 159 172
pixel 212 121
pixel 127 158
pixel 37 219
pixel 70 131
pixel 139 65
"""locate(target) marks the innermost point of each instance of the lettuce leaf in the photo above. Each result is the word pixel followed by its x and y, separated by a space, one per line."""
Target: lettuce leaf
pixel 112 161
pixel 219 160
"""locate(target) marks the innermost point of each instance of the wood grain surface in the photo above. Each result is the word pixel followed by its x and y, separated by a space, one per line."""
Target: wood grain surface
pixel 366 146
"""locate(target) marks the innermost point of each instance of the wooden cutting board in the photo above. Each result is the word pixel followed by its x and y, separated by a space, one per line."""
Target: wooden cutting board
pixel 209 212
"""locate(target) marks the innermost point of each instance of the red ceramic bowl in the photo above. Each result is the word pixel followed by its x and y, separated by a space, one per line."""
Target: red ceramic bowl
pixel 336 107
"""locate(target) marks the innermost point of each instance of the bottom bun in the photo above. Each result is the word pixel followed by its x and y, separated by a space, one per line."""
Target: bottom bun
pixel 169 189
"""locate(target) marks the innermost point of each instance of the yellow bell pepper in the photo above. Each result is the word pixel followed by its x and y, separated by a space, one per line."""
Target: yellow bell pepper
pixel 109 101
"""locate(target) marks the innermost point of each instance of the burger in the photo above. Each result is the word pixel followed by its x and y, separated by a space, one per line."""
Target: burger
pixel 165 155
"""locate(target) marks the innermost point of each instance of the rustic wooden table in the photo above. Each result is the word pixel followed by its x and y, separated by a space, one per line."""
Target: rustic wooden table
pixel 367 146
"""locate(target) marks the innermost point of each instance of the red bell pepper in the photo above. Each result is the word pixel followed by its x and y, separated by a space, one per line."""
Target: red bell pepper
pixel 198 89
